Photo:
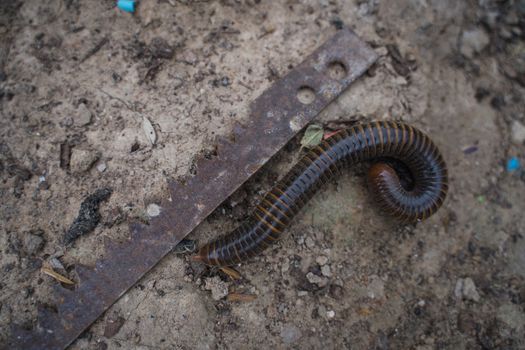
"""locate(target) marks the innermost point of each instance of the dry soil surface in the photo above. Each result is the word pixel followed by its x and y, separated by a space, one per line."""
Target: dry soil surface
pixel 77 79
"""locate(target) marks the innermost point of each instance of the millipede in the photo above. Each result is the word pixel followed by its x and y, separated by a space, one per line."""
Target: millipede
pixel 408 178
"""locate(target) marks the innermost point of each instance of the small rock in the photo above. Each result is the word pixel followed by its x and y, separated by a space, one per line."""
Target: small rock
pixel 285 267
pixel 218 288
pixel 309 242
pixel 82 160
pixel 83 115
pixel 466 289
pixel 318 280
pixel 290 334
pixel 518 132
pixel 473 42
pixel 153 210
pixel 101 167
pixel 57 265
pixel 325 270
pixel 33 243
pixel 302 293
pixel 177 83
pixel 321 260
pixel 330 314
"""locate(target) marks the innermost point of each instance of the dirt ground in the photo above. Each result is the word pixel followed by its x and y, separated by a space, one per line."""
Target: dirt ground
pixel 78 77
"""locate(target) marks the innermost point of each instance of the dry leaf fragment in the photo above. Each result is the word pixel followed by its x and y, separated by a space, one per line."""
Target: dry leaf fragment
pixel 312 136
pixel 56 275
pixel 241 297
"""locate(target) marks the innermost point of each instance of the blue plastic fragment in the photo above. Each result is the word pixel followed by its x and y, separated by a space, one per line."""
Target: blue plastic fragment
pixel 513 164
pixel 126 5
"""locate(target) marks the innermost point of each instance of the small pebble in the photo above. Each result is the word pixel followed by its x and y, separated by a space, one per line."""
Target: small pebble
pixel 473 42
pixel 466 289
pixel 83 117
pixel 325 270
pixel 101 167
pixel 321 260
pixel 285 267
pixel 82 160
pixel 309 242
pixel 153 210
pixel 56 265
pixel 302 293
pixel 330 314
pixel 318 280
pixel 517 132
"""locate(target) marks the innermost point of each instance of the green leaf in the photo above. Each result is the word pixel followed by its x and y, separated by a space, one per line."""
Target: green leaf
pixel 312 136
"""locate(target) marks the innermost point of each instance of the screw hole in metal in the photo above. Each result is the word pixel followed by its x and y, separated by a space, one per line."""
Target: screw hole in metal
pixel 337 70
pixel 306 95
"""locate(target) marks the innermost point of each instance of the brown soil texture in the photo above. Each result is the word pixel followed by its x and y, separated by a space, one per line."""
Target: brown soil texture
pixel 78 79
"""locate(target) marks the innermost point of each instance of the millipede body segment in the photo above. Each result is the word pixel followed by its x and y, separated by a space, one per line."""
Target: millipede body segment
pixel 386 143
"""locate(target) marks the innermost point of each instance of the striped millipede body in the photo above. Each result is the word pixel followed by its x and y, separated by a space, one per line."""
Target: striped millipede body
pixel 387 143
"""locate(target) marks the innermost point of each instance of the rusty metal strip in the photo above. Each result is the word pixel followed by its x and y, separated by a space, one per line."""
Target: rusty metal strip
pixel 276 116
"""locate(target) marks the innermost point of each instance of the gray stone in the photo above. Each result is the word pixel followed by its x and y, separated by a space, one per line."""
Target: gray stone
pixel 321 260
pixel 82 160
pixel 325 270
pixel 318 280
pixel 466 289
pixel 473 42
pixel 101 167
pixel 309 242
pixel 83 117
pixel 517 132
